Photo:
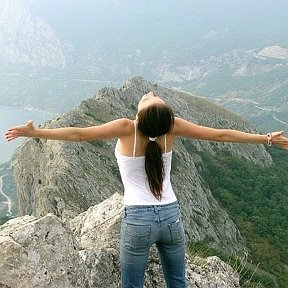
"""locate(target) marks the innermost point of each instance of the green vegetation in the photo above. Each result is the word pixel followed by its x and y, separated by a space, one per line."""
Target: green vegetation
pixel 256 198
pixel 250 275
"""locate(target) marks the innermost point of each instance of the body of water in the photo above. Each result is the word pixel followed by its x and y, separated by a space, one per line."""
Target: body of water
pixel 15 116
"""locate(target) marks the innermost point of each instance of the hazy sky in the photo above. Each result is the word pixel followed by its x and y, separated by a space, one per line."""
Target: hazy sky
pixel 258 21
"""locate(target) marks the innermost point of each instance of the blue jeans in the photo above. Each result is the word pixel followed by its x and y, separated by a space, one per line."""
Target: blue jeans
pixel 143 226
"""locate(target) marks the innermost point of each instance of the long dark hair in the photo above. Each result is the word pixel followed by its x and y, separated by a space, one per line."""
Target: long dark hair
pixel 154 121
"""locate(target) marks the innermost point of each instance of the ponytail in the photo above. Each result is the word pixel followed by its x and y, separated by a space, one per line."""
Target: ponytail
pixel 155 121
pixel 154 168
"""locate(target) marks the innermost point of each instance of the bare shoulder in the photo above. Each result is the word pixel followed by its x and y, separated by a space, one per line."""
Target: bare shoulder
pixel 181 126
pixel 126 125
pixel 127 122
pixel 189 129
pixel 114 129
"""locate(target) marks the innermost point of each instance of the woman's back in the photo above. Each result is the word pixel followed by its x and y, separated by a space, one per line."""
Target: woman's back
pixel 130 154
pixel 136 142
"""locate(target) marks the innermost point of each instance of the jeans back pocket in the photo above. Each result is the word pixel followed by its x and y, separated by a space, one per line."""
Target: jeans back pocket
pixel 135 236
pixel 176 231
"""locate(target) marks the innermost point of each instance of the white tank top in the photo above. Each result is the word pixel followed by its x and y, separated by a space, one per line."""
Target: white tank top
pixel 134 178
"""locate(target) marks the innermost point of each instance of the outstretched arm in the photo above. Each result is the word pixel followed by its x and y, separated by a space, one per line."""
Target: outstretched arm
pixel 188 129
pixel 113 129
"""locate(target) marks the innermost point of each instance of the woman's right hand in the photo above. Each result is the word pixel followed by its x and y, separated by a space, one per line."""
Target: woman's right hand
pixel 20 131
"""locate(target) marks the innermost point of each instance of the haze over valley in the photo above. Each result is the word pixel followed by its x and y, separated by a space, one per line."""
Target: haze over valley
pixel 54 53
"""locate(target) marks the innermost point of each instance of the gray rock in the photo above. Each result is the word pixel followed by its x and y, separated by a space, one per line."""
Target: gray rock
pixel 84 252
pixel 39 253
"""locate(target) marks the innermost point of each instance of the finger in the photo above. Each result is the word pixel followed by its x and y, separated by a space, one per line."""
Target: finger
pixel 10 134
pixel 277 133
pixel 12 128
pixel 30 123
pixel 7 135
pixel 9 138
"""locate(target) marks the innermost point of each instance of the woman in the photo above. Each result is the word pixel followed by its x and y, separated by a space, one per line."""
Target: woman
pixel 144 153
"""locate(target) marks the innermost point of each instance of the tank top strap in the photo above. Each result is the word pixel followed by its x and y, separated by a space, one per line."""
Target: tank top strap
pixel 165 144
pixel 135 139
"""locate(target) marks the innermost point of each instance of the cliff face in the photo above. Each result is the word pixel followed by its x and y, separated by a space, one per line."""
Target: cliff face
pixel 65 179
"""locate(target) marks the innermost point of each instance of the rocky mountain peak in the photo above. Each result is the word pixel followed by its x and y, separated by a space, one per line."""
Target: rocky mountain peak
pixel 70 199
pixel 66 178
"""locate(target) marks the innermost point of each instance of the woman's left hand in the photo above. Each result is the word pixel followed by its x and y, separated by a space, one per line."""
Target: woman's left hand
pixel 278 139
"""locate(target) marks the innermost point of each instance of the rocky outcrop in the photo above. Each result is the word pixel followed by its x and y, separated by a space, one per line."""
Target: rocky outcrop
pixel 83 252
pixel 39 252
pixel 66 179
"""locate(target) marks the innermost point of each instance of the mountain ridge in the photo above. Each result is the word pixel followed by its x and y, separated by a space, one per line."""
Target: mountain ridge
pixel 66 178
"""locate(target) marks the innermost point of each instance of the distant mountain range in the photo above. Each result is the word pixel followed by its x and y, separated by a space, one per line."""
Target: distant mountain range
pixel 252 83
pixel 55 54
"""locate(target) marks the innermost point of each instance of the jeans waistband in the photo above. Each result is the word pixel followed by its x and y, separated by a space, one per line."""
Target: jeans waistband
pixel 151 207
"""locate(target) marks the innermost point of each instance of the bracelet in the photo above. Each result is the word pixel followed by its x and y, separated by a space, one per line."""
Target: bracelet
pixel 269 139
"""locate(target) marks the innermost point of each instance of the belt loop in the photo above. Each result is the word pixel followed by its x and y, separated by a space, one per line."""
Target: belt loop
pixel 156 210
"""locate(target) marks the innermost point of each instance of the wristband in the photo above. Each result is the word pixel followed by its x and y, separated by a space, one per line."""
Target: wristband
pixel 269 139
